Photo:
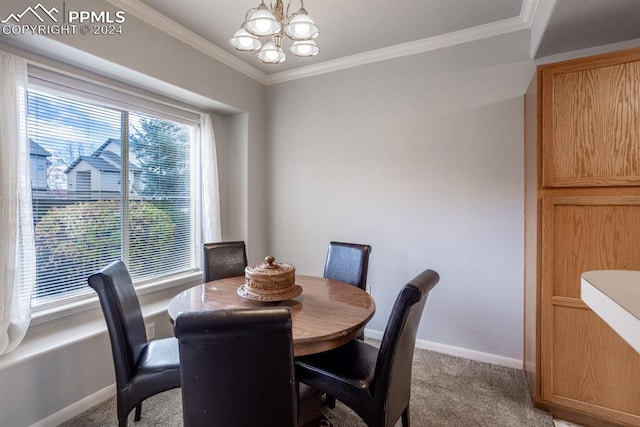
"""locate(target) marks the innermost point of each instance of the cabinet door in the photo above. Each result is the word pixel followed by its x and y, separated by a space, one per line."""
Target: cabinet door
pixel 591 121
pixel 585 364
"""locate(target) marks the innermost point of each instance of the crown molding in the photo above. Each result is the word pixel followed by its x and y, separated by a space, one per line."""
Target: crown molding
pixel 168 26
pixel 404 49
pixel 528 11
pixel 156 19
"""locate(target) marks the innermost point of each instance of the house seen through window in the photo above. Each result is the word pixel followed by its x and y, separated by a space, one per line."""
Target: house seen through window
pixel 107 183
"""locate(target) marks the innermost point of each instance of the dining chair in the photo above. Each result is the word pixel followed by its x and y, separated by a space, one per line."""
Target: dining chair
pixel 237 367
pixel 375 382
pixel 224 259
pixel 143 368
pixel 348 262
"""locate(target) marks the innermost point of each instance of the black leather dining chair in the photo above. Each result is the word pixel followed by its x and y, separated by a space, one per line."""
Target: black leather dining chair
pixel 348 262
pixel 143 368
pixel 375 382
pixel 224 259
pixel 237 367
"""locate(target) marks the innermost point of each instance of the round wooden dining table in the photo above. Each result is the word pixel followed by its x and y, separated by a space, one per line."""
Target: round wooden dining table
pixel 326 315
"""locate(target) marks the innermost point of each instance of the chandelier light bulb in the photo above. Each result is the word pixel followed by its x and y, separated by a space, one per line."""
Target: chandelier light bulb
pixel 271 56
pixel 263 26
pixel 301 29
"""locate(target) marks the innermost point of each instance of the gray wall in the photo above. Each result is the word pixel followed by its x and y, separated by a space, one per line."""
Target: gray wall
pixel 420 157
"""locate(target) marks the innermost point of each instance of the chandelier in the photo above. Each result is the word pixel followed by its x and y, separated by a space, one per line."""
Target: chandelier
pixel 264 28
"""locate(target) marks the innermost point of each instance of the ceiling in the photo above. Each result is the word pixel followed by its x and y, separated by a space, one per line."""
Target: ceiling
pixel 360 31
pixel 581 24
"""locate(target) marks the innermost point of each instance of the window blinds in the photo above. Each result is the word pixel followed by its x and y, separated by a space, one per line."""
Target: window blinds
pixel 111 178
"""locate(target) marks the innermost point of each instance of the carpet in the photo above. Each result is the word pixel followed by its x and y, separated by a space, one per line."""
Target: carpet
pixel 446 391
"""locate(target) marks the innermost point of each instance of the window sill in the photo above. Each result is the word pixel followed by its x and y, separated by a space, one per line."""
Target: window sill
pixel 75 322
pixel 91 303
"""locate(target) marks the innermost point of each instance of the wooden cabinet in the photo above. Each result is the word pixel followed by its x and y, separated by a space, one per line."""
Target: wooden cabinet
pixel 591 122
pixel 583 213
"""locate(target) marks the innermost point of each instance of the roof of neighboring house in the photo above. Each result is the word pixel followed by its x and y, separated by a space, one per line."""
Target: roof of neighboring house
pixel 96 162
pixel 117 159
pixel 97 159
pixel 36 149
pixel 100 149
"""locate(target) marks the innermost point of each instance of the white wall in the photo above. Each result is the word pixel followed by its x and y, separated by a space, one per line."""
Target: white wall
pixel 422 158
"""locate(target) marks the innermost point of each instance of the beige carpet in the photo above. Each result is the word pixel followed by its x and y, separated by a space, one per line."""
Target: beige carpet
pixel 446 391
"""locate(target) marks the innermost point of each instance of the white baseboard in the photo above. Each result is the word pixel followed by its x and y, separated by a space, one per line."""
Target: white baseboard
pixel 562 423
pixel 458 351
pixel 77 408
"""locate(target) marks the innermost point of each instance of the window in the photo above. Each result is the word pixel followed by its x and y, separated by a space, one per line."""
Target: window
pixel 113 180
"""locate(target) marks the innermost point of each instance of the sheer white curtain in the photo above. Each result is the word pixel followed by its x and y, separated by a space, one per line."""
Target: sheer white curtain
pixel 17 250
pixel 210 191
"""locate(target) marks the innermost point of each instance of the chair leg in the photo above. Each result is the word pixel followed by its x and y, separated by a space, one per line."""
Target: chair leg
pixel 122 422
pixel 331 401
pixel 138 412
pixel 405 417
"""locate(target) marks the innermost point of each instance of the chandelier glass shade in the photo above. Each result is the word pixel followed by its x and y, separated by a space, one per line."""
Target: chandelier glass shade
pixel 304 48
pixel 271 53
pixel 244 40
pixel 262 22
pixel 272 24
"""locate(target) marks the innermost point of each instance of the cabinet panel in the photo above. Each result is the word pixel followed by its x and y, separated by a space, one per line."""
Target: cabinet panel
pixel 591 125
pixel 590 233
pixel 582 365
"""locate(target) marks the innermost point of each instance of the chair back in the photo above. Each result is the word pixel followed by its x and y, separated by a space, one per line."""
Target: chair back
pixel 224 259
pixel 348 262
pixel 391 388
pixel 123 316
pixel 237 367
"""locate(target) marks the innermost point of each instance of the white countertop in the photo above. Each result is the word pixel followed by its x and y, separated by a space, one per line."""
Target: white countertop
pixel 614 295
